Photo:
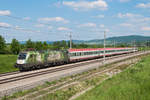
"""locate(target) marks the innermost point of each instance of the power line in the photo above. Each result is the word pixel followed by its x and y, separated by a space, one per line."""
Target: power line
pixel 30 20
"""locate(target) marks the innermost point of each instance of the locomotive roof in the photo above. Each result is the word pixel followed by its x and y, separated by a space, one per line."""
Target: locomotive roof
pixel 94 49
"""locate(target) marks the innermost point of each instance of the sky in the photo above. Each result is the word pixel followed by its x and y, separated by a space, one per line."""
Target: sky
pixel 52 20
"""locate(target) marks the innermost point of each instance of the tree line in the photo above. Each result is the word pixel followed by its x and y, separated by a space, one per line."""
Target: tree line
pixel 15 46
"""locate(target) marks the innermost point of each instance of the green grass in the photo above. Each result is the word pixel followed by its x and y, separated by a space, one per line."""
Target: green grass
pixel 7 63
pixel 132 84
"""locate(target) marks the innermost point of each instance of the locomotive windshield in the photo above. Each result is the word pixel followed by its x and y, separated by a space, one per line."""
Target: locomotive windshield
pixel 22 56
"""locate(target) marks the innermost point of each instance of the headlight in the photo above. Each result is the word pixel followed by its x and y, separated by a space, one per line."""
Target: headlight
pixel 20 61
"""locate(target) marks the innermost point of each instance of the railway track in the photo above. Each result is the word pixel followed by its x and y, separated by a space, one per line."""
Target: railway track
pixel 34 74
pixel 9 73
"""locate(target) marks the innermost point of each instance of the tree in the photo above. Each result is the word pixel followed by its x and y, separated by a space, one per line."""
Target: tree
pixel 30 44
pixel 15 46
pixel 2 44
pixel 39 45
pixel 45 46
pixel 82 45
pixel 56 45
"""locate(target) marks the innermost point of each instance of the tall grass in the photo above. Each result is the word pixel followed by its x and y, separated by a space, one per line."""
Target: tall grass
pixel 7 63
pixel 132 84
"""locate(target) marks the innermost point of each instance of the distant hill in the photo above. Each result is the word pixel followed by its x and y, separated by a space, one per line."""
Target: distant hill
pixel 119 39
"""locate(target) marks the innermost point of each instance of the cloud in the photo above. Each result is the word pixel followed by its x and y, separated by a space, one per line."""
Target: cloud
pixel 87 5
pixel 18 28
pixel 50 27
pixel 4 12
pixel 126 25
pixel 145 28
pixel 107 30
pixel 5 25
pixel 128 15
pixel 56 19
pixel 87 25
pixel 102 26
pixel 26 18
pixel 43 26
pixel 124 0
pixel 143 5
pixel 39 25
pixel 134 18
pixel 98 16
pixel 25 30
pixel 63 29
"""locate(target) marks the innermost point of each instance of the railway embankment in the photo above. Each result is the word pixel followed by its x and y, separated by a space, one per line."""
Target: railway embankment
pixel 72 86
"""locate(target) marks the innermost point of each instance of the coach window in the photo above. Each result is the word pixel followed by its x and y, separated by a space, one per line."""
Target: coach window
pixel 96 52
pixel 83 53
pixel 86 53
pixel 93 52
pixel 89 53
pixel 80 54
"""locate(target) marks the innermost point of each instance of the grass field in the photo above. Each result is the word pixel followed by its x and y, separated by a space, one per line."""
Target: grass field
pixel 132 84
pixel 7 63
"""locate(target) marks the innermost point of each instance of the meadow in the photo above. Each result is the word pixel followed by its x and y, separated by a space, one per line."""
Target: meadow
pixel 7 63
pixel 132 84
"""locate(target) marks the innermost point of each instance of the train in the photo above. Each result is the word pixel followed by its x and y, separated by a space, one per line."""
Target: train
pixel 29 60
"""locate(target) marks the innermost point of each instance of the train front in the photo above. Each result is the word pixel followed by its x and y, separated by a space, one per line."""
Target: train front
pixel 21 61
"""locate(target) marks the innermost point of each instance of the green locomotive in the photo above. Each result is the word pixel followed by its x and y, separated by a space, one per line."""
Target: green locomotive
pixel 28 60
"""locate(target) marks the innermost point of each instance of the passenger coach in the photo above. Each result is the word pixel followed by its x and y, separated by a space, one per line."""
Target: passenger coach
pixel 85 54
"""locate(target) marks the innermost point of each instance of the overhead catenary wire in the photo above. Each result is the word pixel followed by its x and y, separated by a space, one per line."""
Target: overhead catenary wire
pixel 30 20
